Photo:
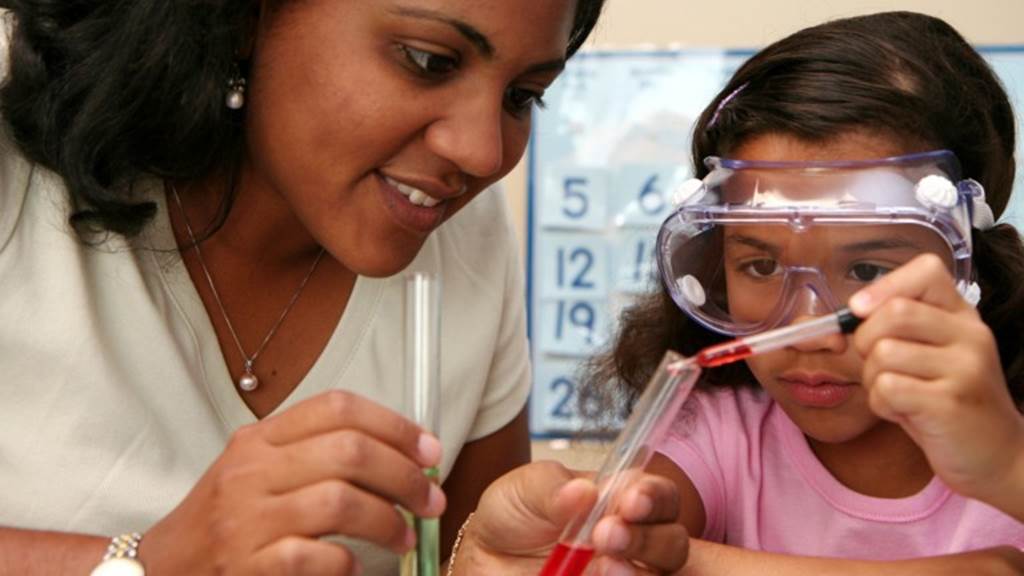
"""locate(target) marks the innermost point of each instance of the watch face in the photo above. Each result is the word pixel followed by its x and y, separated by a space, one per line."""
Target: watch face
pixel 119 567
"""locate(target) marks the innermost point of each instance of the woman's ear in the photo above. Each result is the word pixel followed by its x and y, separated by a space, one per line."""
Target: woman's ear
pixel 251 27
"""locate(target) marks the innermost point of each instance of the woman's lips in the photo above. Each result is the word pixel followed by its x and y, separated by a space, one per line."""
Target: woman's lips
pixel 418 218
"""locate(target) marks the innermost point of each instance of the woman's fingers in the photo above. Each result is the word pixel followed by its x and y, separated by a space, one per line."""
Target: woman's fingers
pixel 360 459
pixel 663 547
pixel 338 508
pixel 650 499
pixel 644 527
pixel 575 497
pixel 338 410
pixel 295 556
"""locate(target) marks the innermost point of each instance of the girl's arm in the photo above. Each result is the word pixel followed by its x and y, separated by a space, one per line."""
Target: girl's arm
pixel 711 559
pixel 691 507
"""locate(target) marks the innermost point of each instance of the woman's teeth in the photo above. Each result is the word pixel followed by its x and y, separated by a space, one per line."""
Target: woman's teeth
pixel 415 195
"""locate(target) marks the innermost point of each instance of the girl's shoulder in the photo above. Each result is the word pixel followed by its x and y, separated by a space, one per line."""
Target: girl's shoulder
pixel 725 419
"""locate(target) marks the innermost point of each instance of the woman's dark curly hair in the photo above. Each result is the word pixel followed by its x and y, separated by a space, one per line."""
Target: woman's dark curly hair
pixel 907 76
pixel 105 92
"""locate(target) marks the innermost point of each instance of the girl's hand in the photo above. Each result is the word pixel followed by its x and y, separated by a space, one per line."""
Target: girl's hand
pixel 334 464
pixel 522 514
pixel 932 366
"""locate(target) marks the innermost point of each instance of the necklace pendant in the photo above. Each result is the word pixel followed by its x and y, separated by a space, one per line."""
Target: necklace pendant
pixel 248 382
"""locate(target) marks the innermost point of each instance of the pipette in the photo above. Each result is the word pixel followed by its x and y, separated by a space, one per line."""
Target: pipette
pixel 665 394
pixel 842 321
pixel 423 402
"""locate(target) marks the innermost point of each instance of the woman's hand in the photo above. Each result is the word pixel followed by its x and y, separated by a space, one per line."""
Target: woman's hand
pixel 334 464
pixel 522 514
pixel 932 366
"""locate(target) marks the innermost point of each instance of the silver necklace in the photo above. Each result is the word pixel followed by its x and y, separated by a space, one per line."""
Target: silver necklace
pixel 248 381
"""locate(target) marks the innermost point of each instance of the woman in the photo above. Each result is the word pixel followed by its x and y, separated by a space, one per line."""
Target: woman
pixel 204 208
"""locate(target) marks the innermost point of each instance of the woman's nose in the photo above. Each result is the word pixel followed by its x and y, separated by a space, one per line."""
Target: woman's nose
pixel 470 135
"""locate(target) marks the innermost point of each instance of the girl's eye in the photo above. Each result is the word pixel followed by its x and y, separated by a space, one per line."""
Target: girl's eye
pixel 864 272
pixel 519 101
pixel 762 268
pixel 429 64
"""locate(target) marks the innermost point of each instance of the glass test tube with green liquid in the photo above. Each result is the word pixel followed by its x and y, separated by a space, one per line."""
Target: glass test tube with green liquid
pixel 423 402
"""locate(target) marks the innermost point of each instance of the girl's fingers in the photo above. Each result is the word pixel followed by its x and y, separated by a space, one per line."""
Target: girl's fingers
pixel 663 547
pixel 902 357
pixel 339 410
pixel 897 397
pixel 336 507
pixel 925 278
pixel 910 320
pixel 294 556
pixel 360 459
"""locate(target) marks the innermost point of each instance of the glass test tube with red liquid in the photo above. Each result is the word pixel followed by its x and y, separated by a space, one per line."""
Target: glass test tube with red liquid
pixel 665 393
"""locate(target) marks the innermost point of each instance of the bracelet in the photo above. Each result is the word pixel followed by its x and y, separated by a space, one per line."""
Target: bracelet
pixel 455 546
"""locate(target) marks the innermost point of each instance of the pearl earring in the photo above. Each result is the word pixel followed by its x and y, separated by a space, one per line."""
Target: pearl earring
pixel 235 98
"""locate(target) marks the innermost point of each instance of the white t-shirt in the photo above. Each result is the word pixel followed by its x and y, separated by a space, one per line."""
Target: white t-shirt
pixel 115 396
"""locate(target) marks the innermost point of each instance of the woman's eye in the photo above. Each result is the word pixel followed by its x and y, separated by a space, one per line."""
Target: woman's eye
pixel 428 63
pixel 864 272
pixel 519 101
pixel 762 268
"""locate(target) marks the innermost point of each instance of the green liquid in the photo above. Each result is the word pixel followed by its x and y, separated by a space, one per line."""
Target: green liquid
pixel 425 558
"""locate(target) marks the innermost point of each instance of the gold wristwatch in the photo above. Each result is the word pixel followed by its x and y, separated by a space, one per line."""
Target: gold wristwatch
pixel 121 557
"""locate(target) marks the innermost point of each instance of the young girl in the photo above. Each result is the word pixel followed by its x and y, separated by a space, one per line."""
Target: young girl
pixel 835 157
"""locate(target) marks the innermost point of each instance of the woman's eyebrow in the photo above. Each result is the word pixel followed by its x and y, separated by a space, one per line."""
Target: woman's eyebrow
pixel 476 37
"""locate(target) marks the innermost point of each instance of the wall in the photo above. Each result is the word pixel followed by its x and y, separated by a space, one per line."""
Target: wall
pixel 754 23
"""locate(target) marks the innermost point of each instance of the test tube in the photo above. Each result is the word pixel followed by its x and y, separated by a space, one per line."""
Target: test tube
pixel 653 413
pixel 423 402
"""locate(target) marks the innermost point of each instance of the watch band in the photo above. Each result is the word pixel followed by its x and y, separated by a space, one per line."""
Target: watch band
pixel 121 558
pixel 123 546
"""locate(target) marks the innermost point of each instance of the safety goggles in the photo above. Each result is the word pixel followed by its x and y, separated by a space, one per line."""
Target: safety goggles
pixel 755 245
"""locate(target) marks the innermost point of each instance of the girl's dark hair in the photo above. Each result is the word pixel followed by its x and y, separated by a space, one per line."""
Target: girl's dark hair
pixel 104 93
pixel 906 76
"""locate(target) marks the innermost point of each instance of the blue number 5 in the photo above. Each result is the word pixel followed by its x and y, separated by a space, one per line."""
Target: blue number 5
pixel 573 191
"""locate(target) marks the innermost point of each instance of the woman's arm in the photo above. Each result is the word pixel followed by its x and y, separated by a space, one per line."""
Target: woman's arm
pixel 711 559
pixel 30 552
pixel 480 463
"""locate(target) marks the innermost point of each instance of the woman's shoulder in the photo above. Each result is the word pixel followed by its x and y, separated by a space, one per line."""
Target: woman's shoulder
pixel 485 217
pixel 480 242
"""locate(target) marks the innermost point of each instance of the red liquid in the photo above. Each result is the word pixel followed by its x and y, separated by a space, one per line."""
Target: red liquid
pixel 725 354
pixel 566 561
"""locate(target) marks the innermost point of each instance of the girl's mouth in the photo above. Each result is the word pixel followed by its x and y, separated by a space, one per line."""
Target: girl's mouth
pixel 818 390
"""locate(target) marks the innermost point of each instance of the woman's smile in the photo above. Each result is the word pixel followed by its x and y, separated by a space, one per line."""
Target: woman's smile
pixel 419 207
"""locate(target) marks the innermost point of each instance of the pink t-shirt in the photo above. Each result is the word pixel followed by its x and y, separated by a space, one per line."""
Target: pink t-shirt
pixel 764 489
